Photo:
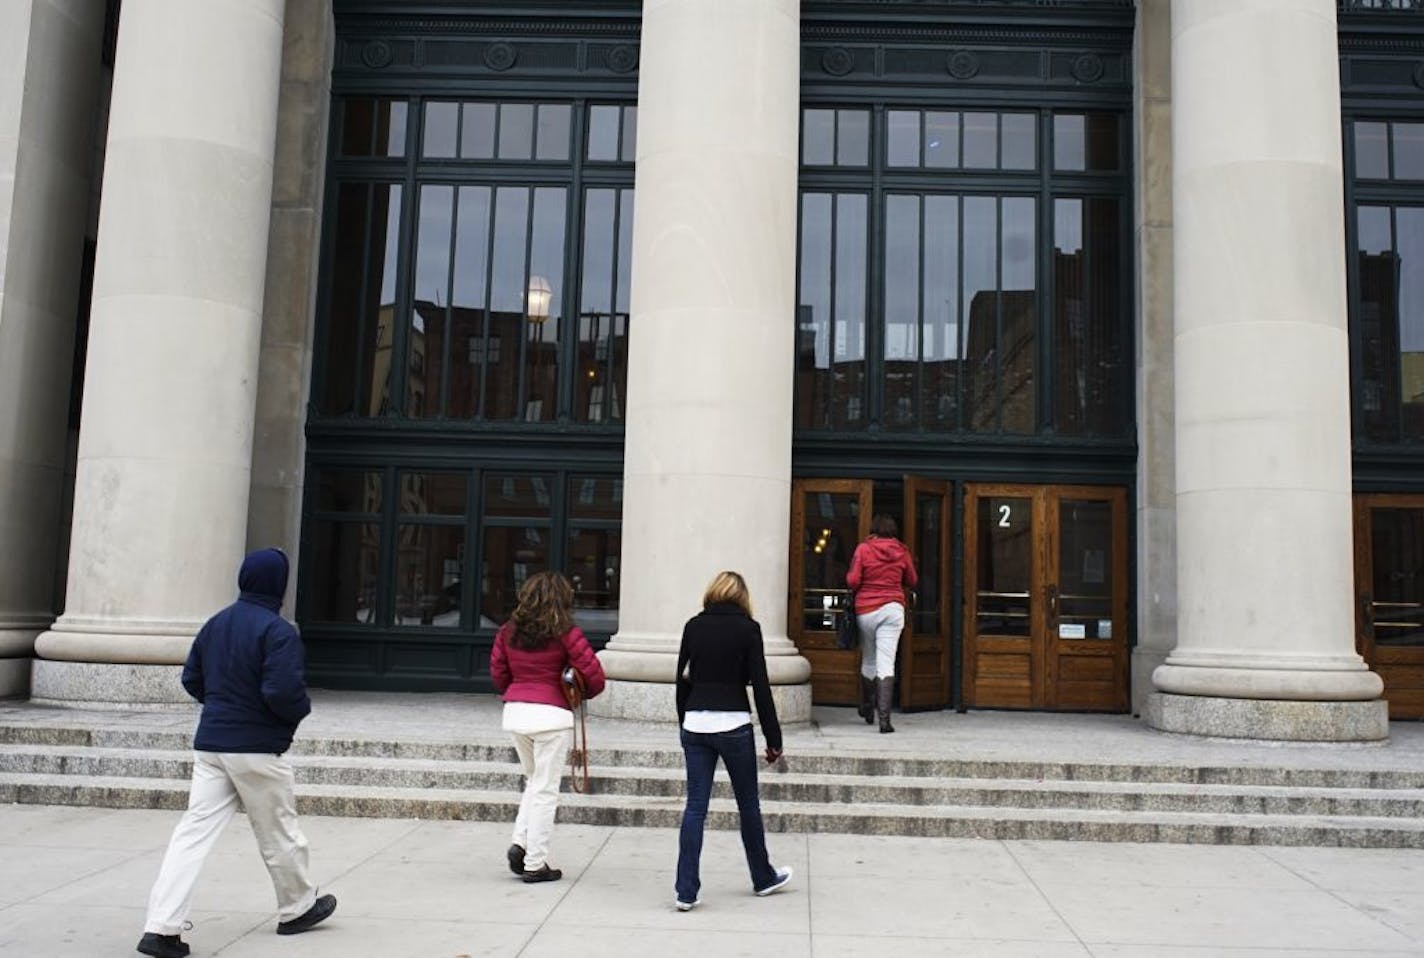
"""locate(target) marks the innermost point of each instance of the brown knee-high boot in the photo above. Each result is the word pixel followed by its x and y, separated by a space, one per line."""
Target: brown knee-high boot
pixel 884 696
pixel 866 708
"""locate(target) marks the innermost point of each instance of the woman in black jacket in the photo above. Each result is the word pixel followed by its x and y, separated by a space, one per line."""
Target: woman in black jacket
pixel 721 655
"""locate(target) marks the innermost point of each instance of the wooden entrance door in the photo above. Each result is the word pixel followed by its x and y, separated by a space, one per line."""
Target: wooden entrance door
pixel 829 517
pixel 1389 582
pixel 924 645
pixel 1045 586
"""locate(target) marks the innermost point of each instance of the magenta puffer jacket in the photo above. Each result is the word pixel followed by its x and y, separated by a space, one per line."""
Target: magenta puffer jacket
pixel 536 675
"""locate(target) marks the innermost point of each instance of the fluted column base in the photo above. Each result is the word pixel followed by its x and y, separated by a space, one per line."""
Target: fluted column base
pixel 1281 720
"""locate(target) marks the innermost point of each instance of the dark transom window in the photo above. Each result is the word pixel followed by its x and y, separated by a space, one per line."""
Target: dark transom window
pixel 962 271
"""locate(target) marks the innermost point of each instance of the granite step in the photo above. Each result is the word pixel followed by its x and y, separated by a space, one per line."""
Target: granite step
pixel 866 764
pixel 780 816
pixel 790 786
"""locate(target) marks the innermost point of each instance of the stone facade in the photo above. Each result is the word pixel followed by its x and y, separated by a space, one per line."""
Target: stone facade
pixel 192 442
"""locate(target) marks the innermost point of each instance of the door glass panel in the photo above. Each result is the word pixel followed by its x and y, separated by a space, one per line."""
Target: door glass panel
pixel 929 537
pixel 511 555
pixel 1003 566
pixel 830 537
pixel 593 572
pixel 344 574
pixel 429 563
pixel 1397 576
pixel 1085 600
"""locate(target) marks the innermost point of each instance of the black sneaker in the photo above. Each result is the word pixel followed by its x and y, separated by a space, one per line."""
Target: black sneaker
pixel 162 946
pixel 545 873
pixel 314 916
pixel 516 859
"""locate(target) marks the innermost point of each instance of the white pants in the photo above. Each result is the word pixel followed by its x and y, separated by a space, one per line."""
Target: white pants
pixel 880 639
pixel 542 756
pixel 263 783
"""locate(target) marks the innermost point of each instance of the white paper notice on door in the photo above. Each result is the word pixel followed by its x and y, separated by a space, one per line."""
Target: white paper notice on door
pixel 1072 630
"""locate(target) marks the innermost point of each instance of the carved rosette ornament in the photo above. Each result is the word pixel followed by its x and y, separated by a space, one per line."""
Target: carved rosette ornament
pixel 837 61
pixel 623 58
pixel 1088 68
pixel 377 54
pixel 962 65
pixel 500 56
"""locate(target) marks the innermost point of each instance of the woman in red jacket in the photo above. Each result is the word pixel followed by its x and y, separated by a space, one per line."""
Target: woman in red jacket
pixel 527 664
pixel 880 571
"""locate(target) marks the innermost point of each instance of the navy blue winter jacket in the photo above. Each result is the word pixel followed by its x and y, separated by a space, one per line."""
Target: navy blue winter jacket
pixel 246 666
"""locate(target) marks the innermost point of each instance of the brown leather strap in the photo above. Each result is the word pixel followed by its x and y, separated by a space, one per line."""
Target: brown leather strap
pixel 578 755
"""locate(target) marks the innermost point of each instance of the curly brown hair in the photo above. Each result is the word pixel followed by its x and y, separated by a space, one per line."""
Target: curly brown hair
pixel 542 614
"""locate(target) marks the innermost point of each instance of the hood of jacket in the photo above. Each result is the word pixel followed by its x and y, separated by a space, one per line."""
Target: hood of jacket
pixel 263 577
pixel 885 550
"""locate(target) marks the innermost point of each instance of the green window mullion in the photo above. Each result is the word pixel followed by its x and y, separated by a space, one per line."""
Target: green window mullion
pixel 573 266
pixel 873 387
pixel 918 423
pixel 446 367
pixel 961 333
pixel 1045 374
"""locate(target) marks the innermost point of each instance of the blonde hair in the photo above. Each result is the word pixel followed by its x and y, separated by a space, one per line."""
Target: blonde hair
pixel 728 587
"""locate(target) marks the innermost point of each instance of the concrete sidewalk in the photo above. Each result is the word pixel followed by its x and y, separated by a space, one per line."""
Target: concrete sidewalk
pixel 73 883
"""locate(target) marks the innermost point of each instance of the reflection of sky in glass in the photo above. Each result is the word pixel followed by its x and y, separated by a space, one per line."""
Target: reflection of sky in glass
pixel 941 280
pixel 472 247
pixel 1018 242
pixel 511 215
pixel 388 273
pixel 432 249
pixel 597 251
pixel 816 268
pixel 1409 223
pixel 850 276
pixel 902 277
pixel 1068 226
pixel 980 248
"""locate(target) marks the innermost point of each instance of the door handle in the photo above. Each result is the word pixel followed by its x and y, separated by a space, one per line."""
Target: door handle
pixel 1367 616
pixel 1052 595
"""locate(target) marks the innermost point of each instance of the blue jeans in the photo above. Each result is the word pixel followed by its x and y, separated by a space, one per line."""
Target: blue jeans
pixel 737 750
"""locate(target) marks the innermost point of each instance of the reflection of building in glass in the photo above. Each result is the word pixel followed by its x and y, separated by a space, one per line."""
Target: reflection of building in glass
pixel 1000 360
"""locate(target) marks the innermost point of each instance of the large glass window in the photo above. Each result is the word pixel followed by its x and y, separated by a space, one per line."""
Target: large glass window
pixel 1388 279
pixel 952 286
pixel 447 550
pixel 448 294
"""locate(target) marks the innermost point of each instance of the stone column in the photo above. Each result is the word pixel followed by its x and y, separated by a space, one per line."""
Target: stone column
pixel 707 464
pixel 1156 491
pixel 1265 624
pixel 50 61
pixel 165 440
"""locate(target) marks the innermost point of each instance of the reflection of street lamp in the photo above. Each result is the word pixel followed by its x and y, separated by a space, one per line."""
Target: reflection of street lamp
pixel 537 309
pixel 538 299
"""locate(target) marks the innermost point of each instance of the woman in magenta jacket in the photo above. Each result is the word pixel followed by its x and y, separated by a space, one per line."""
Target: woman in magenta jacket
pixel 880 571
pixel 527 664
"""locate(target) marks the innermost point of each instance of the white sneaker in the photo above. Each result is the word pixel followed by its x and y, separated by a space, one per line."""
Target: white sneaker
pixel 687 905
pixel 783 876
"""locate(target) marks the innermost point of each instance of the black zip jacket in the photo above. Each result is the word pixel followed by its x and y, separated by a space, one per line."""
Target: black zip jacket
pixel 721 655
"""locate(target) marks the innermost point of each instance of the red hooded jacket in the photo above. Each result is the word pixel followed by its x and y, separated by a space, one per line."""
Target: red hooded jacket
pixel 879 571
pixel 536 675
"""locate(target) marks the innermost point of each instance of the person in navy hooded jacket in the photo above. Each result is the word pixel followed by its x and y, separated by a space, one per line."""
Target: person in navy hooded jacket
pixel 245 667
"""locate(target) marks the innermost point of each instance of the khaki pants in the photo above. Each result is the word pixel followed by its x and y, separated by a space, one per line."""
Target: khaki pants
pixel 541 755
pixel 264 784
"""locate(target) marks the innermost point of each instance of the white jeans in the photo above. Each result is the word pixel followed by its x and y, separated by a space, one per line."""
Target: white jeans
pixel 879 639
pixel 263 783
pixel 542 756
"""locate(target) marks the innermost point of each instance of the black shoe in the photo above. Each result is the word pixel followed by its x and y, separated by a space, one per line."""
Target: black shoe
pixel 162 946
pixel 314 916
pixel 545 873
pixel 516 859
